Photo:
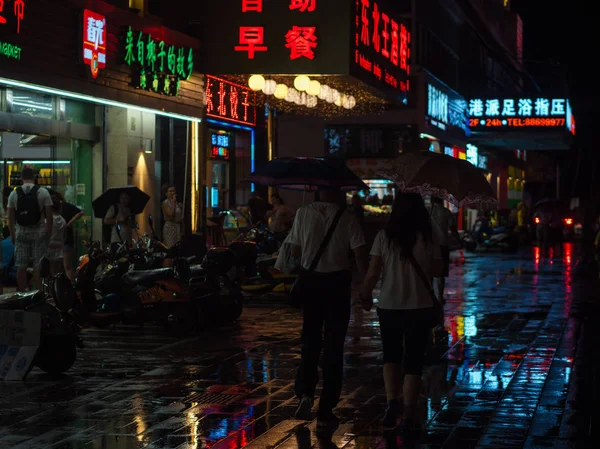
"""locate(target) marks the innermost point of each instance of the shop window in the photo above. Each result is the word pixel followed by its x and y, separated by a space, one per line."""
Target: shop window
pixel 30 103
pixel 79 112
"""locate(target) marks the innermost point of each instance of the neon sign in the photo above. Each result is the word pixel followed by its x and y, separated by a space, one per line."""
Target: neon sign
pixel 229 101
pixel 381 44
pixel 8 49
pixel 472 154
pixel 162 67
pixel 18 11
pixel 219 145
pixel 301 41
pixel 437 106
pixel 94 41
pixel 523 112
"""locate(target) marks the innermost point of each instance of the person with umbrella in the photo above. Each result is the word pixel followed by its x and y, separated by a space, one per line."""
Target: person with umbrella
pixel 121 219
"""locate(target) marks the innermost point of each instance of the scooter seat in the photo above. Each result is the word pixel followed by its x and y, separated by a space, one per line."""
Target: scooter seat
pixel 20 301
pixel 141 276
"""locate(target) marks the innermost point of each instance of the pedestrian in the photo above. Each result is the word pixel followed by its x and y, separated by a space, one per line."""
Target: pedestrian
pixel 173 214
pixel 281 216
pixel 543 220
pixel 358 209
pixel 56 244
pixel 30 222
pixel 70 213
pixel 408 254
pixel 122 221
pixel 443 222
pixel 258 207
pixel 326 298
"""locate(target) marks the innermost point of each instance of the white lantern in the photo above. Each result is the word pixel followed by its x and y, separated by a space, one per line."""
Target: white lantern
pixel 351 102
pixel 291 95
pixel 340 101
pixel 281 91
pixel 314 87
pixel 301 83
pixel 303 99
pixel 256 82
pixel 270 86
pixel 311 101
pixel 324 92
pixel 335 96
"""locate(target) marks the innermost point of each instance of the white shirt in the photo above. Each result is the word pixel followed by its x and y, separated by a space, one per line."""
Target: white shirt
pixel 441 220
pixel 43 198
pixel 401 286
pixel 308 231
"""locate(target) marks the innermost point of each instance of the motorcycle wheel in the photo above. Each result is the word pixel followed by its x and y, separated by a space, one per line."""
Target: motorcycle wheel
pixel 181 320
pixel 56 354
pixel 236 310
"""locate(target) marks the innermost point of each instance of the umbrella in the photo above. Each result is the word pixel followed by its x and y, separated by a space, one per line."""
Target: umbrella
pixel 137 200
pixel 307 174
pixel 455 180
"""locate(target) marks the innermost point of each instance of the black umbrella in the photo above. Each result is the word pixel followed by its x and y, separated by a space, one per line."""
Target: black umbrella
pixel 307 173
pixel 137 200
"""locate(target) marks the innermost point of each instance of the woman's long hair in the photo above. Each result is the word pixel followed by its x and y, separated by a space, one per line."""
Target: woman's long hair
pixel 409 218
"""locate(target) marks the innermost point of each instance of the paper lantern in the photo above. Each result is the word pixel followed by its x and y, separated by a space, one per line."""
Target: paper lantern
pixel 340 100
pixel 311 101
pixel 281 91
pixel 256 82
pixel 351 102
pixel 324 92
pixel 314 87
pixel 301 83
pixel 270 86
pixel 291 96
pixel 302 99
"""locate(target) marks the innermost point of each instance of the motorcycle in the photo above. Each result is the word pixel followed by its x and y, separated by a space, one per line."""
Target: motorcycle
pixel 59 333
pixel 499 238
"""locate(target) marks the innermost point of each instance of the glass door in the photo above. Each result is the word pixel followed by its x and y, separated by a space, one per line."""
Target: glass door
pixel 219 192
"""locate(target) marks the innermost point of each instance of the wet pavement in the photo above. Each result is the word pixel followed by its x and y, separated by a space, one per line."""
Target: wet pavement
pixel 521 371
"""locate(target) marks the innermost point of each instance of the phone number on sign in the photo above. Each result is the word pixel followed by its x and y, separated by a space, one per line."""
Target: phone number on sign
pixel 516 122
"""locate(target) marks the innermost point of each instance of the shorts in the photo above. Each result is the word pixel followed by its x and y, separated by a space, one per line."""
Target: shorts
pixel 445 250
pixel 405 336
pixel 30 246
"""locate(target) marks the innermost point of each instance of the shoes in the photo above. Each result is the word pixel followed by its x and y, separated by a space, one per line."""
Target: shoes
pixel 327 424
pixel 304 410
pixel 391 414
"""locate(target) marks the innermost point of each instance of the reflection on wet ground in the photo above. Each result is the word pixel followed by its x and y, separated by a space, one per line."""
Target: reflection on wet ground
pixel 507 380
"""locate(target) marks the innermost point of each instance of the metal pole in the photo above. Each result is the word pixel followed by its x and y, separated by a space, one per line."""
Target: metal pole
pixel 104 148
pixel 270 146
pixel 186 187
pixel 171 151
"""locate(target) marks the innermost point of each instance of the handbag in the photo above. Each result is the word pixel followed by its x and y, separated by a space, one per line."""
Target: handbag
pixel 438 310
pixel 298 291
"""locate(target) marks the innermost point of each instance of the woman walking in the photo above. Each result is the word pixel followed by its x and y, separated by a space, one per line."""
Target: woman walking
pixel 173 214
pixel 408 256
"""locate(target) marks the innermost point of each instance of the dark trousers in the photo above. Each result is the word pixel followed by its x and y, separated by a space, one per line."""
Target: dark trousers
pixel 326 316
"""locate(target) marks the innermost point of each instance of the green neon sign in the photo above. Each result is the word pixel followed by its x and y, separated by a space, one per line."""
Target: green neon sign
pixel 162 67
pixel 10 51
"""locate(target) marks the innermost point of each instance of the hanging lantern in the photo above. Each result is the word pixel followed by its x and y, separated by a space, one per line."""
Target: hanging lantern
pixel 340 101
pixel 301 83
pixel 314 87
pixel 351 102
pixel 291 95
pixel 311 101
pixel 302 99
pixel 324 92
pixel 256 82
pixel 281 91
pixel 270 86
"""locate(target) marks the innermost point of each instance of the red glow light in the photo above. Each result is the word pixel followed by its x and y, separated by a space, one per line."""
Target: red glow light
pixel 240 100
pixel 252 5
pixel 301 41
pixel 251 40
pixel 303 5
pixel 537 220
pixel 568 221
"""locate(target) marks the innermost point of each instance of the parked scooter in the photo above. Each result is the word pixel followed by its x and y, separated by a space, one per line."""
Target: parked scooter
pixel 496 239
pixel 59 333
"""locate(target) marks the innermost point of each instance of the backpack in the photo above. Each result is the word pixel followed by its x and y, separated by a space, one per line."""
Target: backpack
pixel 28 209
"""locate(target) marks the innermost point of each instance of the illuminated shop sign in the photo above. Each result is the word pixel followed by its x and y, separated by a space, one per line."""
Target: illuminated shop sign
pixel 482 162
pixel 11 17
pixel 94 41
pixel 229 101
pixel 162 67
pixel 381 44
pixel 518 112
pixel 446 109
pixel 219 145
pixel 472 154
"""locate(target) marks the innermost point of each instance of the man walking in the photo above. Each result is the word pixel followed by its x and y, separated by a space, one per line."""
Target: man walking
pixel 443 221
pixel 30 223
pixel 326 300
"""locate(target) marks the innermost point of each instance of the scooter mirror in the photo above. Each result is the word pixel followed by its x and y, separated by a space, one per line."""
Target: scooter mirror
pixel 44 267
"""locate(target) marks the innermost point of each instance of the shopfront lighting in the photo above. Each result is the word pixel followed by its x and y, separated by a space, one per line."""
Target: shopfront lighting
pixel 311 101
pixel 302 83
pixel 324 92
pixel 291 96
pixel 270 86
pixel 351 102
pixel 256 82
pixel 340 100
pixel 302 99
pixel 314 87
pixel 281 91
pixel 332 96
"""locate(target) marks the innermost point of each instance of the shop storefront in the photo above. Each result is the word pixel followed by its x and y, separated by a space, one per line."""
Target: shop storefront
pixel 82 97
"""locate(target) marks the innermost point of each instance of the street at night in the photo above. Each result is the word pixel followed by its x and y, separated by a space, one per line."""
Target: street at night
pixel 514 375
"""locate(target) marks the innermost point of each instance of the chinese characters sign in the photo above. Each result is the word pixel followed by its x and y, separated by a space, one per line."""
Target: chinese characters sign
pixel 381 44
pixel 94 41
pixel 162 67
pixel 520 112
pixel 446 109
pixel 12 15
pixel 220 145
pixel 229 101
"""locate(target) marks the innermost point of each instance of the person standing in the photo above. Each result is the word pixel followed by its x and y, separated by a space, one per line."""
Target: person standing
pixel 443 222
pixel 70 213
pixel 173 213
pixel 281 217
pixel 358 209
pixel 326 300
pixel 408 254
pixel 258 207
pixel 122 222
pixel 30 224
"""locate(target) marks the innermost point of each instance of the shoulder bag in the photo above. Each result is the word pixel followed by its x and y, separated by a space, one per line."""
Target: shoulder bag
pixel 303 279
pixel 438 310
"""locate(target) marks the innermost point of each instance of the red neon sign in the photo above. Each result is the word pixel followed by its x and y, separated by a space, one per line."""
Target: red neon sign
pixel 18 12
pixel 252 5
pixel 230 101
pixel 94 41
pixel 251 40
pixel 301 41
pixel 303 5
